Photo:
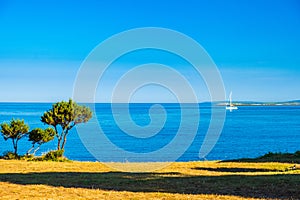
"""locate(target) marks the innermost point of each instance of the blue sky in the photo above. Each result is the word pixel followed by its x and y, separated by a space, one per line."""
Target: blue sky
pixel 255 44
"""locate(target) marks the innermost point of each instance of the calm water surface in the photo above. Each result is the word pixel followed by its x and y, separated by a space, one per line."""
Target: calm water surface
pixel 250 131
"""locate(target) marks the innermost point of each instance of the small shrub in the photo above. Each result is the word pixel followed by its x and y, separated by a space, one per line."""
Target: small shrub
pixel 269 155
pixel 27 157
pixel 9 155
pixel 53 155
pixel 56 155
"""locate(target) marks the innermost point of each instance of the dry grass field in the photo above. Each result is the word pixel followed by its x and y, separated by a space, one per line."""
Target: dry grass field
pixel 180 180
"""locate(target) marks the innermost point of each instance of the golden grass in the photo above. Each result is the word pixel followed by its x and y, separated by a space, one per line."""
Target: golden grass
pixel 180 180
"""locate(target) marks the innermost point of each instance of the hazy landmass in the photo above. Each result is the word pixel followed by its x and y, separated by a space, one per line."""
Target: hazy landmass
pixel 253 103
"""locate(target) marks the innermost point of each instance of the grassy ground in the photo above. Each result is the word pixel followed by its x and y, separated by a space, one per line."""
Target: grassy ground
pixel 189 180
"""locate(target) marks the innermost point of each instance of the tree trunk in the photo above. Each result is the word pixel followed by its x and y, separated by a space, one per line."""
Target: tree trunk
pixel 64 141
pixel 58 138
pixel 58 143
pixel 27 153
pixel 15 143
pixel 36 149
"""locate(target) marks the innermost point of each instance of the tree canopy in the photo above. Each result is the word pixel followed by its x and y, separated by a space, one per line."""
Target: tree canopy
pixel 15 130
pixel 40 136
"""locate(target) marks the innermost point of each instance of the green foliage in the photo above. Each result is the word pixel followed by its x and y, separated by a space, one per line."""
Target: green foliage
pixel 27 157
pixel 15 130
pixel 56 155
pixel 64 116
pixel 270 155
pixel 40 136
pixel 8 155
pixel 281 156
pixel 273 157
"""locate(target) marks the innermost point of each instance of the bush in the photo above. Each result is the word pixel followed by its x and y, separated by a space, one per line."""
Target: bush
pixel 27 157
pixel 9 155
pixel 53 155
pixel 50 156
pixel 56 155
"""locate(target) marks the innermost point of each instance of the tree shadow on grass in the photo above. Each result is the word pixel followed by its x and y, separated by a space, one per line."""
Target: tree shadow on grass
pixel 256 186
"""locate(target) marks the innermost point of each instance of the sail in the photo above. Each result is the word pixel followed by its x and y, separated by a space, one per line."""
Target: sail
pixel 231 106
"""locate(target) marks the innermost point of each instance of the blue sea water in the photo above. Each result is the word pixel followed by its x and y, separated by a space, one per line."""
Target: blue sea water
pixel 250 131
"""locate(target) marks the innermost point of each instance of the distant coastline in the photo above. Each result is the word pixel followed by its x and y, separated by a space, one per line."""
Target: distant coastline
pixel 215 103
pixel 251 103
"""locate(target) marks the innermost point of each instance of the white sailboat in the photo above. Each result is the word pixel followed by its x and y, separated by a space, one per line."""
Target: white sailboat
pixel 231 106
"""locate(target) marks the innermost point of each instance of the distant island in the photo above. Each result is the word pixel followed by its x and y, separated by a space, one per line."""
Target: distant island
pixel 253 103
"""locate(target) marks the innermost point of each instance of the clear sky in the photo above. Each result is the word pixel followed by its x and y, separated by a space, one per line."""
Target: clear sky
pixel 255 44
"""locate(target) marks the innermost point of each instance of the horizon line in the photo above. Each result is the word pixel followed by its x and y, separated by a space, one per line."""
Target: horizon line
pixel 237 101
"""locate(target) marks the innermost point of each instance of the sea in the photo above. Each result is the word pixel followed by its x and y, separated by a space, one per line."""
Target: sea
pixel 131 132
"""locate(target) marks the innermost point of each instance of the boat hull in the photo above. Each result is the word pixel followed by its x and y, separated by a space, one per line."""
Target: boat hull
pixel 231 108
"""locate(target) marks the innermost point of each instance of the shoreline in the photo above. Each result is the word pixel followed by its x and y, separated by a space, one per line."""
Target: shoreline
pixel 268 157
